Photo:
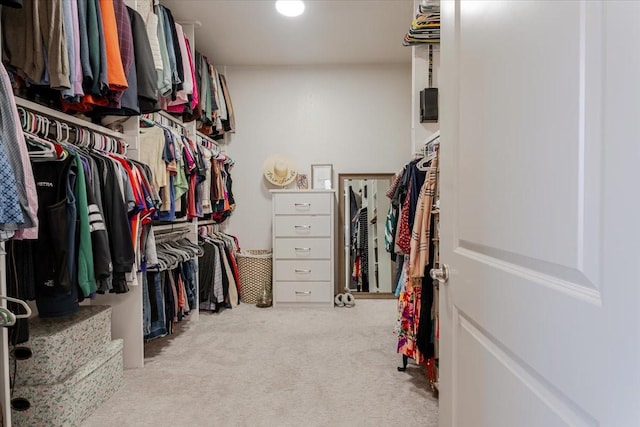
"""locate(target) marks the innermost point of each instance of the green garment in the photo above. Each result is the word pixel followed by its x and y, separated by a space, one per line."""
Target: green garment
pixel 86 274
pixel 180 183
pixel 93 38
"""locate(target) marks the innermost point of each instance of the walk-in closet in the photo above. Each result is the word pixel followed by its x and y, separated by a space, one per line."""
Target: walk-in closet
pixel 167 178
pixel 318 213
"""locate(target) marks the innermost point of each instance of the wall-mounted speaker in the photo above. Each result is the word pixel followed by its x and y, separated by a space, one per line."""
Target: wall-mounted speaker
pixel 429 105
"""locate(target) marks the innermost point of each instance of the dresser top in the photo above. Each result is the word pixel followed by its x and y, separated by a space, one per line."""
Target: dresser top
pixel 303 191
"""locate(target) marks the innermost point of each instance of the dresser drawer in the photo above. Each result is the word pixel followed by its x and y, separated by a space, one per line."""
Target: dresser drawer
pixel 302 203
pixel 303 248
pixel 302 226
pixel 302 270
pixel 302 292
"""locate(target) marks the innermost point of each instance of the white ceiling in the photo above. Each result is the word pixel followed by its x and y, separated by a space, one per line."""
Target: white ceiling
pixel 251 32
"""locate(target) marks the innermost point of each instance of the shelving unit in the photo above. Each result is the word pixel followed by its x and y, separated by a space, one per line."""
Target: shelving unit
pixel 426 74
pixel 127 308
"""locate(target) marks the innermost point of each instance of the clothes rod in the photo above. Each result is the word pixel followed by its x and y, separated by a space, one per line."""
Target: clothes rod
pixel 58 115
pixel 195 23
pixel 171 235
pixel 171 118
pixel 207 138
pixel 172 226
pixel 432 138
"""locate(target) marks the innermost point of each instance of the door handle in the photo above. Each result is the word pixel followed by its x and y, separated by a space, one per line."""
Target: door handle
pixel 303 293
pixel 303 249
pixel 440 274
pixel 302 205
pixel 303 271
pixel 306 227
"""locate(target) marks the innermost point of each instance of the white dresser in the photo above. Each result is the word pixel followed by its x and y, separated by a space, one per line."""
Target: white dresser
pixel 303 247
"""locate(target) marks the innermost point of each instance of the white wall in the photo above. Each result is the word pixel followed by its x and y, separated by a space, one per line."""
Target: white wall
pixel 357 118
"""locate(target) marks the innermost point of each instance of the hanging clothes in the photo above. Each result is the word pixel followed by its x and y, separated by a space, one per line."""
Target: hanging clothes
pixel 15 154
pixel 169 287
pixel 412 195
pixel 218 272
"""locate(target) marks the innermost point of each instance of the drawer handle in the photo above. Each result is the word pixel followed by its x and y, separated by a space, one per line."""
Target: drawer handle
pixel 303 249
pixel 302 205
pixel 306 227
pixel 303 271
pixel 303 293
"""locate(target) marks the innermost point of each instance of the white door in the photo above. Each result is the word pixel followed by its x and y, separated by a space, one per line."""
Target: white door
pixel 540 211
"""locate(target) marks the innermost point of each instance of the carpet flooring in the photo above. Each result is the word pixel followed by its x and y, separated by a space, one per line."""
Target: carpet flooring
pixel 276 367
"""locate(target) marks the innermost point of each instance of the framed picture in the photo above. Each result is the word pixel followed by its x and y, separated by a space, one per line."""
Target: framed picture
pixel 302 182
pixel 322 177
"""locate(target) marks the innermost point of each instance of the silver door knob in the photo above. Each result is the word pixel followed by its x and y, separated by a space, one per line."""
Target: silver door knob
pixel 440 274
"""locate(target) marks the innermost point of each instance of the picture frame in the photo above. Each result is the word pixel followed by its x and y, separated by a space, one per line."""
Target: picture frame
pixel 322 177
pixel 302 182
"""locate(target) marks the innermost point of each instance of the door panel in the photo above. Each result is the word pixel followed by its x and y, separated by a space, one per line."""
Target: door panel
pixel 530 401
pixel 525 318
pixel 537 68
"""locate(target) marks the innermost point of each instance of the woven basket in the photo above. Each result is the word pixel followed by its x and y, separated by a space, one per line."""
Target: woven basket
pixel 255 267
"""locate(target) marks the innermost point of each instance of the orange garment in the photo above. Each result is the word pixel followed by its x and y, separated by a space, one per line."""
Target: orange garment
pixel 86 104
pixel 182 298
pixel 115 70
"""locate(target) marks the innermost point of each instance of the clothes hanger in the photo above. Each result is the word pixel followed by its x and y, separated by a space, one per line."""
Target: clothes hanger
pixel 424 163
pixel 146 121
pixel 7 318
pixel 24 305
pixel 46 150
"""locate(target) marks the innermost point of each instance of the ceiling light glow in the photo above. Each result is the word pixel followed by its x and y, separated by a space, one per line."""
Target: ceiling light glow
pixel 290 7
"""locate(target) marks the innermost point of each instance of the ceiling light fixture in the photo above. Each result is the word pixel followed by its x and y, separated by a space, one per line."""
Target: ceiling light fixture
pixel 290 7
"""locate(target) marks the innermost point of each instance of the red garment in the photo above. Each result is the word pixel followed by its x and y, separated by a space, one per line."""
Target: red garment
pixel 236 273
pixel 409 310
pixel 403 239
pixel 134 220
pixel 191 197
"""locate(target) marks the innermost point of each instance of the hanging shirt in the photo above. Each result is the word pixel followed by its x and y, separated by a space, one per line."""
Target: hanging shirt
pixel 146 75
pixel 187 97
pixel 10 211
pixel 76 70
pixel 115 69
pixel 165 77
pixel 17 156
pixel 67 15
pixel 145 8
pixel 152 142
pixel 86 272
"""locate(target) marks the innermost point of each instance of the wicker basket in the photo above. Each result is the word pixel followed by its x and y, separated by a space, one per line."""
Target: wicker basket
pixel 255 267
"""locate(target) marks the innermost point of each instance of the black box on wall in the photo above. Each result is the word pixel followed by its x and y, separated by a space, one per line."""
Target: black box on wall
pixel 429 105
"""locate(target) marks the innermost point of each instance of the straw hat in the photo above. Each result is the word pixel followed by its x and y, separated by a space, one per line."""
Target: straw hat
pixel 280 170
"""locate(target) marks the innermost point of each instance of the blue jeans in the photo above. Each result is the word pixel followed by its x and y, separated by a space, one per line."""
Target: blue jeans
pixel 153 308
pixel 189 276
pixel 146 306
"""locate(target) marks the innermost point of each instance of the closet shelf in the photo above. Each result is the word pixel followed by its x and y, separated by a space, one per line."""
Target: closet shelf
pixel 58 115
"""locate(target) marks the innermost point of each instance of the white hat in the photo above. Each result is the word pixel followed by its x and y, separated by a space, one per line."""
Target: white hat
pixel 280 170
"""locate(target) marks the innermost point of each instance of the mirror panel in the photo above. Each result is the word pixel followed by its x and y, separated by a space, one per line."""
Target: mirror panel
pixel 366 268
